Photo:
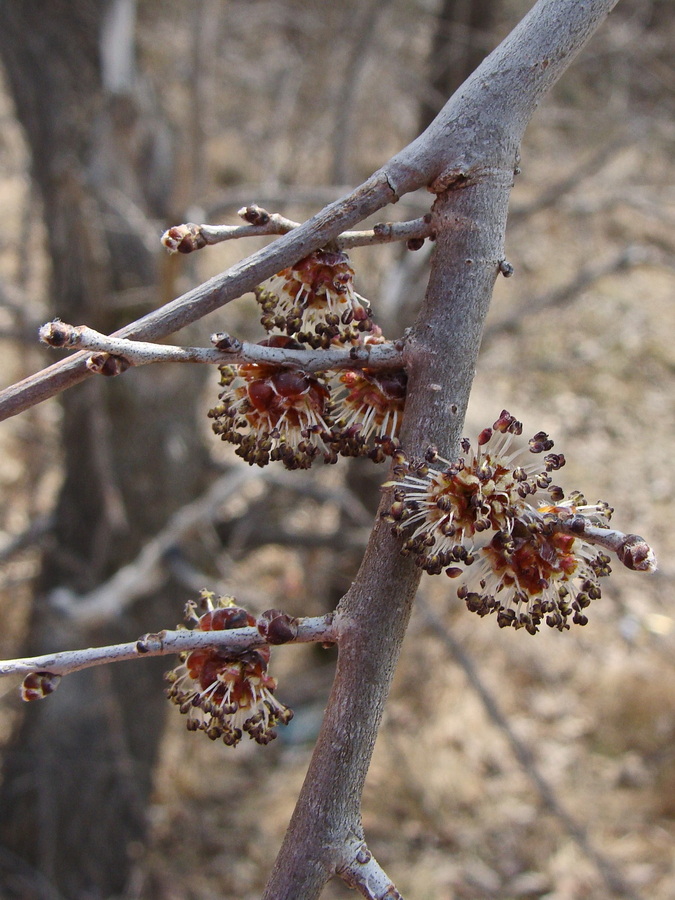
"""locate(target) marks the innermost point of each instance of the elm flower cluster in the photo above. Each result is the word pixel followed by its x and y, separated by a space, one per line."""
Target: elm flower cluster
pixel 367 408
pixel 273 413
pixel 225 694
pixel 495 518
pixel 367 411
pixel 314 301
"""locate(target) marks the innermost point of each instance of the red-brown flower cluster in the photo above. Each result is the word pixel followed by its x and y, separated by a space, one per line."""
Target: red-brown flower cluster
pixel 494 518
pixel 223 693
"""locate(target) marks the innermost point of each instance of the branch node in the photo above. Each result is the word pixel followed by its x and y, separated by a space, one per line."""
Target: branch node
pixel 636 554
pixel 151 642
pixel 254 215
pixel 184 238
pixel 506 268
pixel 57 334
pixel 276 627
pixel 38 685
pixel 107 364
pixel 221 340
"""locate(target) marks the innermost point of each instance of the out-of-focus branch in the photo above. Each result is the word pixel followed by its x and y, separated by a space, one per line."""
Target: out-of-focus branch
pixel 233 198
pixel 569 291
pixel 114 355
pixel 31 536
pixel 553 193
pixel 163 643
pixel 613 879
pixel 144 573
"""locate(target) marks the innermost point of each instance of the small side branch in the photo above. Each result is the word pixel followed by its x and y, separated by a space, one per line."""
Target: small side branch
pixel 365 875
pixel 190 237
pixel 631 549
pixel 113 355
pixel 163 643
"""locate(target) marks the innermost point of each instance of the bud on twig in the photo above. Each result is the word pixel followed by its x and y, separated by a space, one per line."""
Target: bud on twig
pixel 277 627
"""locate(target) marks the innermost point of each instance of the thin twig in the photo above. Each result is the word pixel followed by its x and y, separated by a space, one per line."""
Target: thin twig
pixel 380 189
pixel 364 874
pixel 163 643
pixel 190 237
pixel 631 549
pixel 229 351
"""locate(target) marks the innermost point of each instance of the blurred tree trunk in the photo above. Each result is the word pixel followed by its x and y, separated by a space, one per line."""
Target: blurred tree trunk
pixel 78 770
pixel 461 41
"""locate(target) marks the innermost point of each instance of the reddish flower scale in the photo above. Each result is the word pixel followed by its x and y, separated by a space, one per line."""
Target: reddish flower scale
pixel 225 694
pixel 315 301
pixel 273 413
pixel 494 518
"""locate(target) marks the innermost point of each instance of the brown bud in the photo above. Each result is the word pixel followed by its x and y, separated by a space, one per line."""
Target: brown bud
pixel 415 243
pixel 254 215
pixel 107 364
pixel 277 627
pixel 184 238
pixel 225 342
pixel 38 685
pixel 56 334
pixel 635 553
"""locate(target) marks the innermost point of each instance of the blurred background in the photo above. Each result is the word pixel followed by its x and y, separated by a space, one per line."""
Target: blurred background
pixel 508 766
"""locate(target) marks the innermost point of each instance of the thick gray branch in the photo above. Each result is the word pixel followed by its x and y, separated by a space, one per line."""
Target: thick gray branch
pixel 468 155
pixel 480 127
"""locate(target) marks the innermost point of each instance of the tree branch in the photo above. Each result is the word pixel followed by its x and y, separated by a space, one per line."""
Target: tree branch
pixel 364 874
pixel 163 643
pixel 230 351
pixel 190 237
pixel 468 155
pixel 476 127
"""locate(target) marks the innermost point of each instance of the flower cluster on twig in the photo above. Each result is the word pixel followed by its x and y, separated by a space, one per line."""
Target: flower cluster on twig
pixel 494 518
pixel 296 417
pixel 223 693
